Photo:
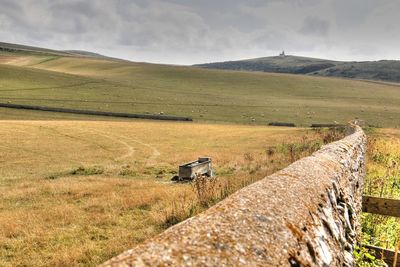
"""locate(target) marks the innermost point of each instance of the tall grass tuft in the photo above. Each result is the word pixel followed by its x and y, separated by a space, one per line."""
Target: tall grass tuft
pixel 206 190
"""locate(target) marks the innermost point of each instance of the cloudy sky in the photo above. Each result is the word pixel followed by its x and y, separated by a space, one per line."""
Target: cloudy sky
pixel 197 31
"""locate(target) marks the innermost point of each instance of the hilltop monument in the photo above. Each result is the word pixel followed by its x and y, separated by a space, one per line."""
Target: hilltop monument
pixel 282 54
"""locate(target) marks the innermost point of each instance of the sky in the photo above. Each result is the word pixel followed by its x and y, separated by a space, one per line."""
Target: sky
pixel 200 31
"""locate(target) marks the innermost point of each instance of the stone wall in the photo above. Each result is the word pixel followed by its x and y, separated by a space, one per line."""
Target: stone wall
pixel 304 215
pixel 97 113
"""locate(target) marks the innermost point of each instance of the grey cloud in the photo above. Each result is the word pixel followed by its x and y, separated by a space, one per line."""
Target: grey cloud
pixel 194 31
pixel 355 12
pixel 315 26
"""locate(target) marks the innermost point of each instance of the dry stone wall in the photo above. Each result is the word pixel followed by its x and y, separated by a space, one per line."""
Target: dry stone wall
pixel 304 215
pixel 97 113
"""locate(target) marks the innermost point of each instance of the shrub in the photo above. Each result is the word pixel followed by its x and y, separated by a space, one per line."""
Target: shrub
pixel 87 170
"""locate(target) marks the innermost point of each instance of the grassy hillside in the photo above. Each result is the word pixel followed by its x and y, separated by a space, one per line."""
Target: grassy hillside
pixel 84 53
pixel 17 48
pixel 385 70
pixel 8 47
pixel 279 64
pixel 205 95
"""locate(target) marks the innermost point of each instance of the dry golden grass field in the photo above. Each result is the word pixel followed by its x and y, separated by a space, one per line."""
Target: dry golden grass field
pixel 76 190
pixel 80 192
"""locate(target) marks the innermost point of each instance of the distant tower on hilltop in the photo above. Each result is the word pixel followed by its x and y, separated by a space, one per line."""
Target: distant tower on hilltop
pixel 282 54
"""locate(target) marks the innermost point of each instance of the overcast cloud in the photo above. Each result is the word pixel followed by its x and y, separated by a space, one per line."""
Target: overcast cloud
pixel 197 31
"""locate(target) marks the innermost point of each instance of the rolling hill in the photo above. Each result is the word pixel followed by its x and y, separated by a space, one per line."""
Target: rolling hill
pixel 68 81
pixel 384 70
pixel 17 48
pixel 14 48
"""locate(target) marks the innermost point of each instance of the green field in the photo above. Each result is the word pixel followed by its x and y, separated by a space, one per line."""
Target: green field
pixel 205 95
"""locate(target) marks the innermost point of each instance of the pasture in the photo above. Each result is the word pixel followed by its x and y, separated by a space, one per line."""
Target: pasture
pixel 77 190
pixel 80 192
pixel 205 95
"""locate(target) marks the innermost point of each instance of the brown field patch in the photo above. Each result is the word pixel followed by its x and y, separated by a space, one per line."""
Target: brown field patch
pixel 6 59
